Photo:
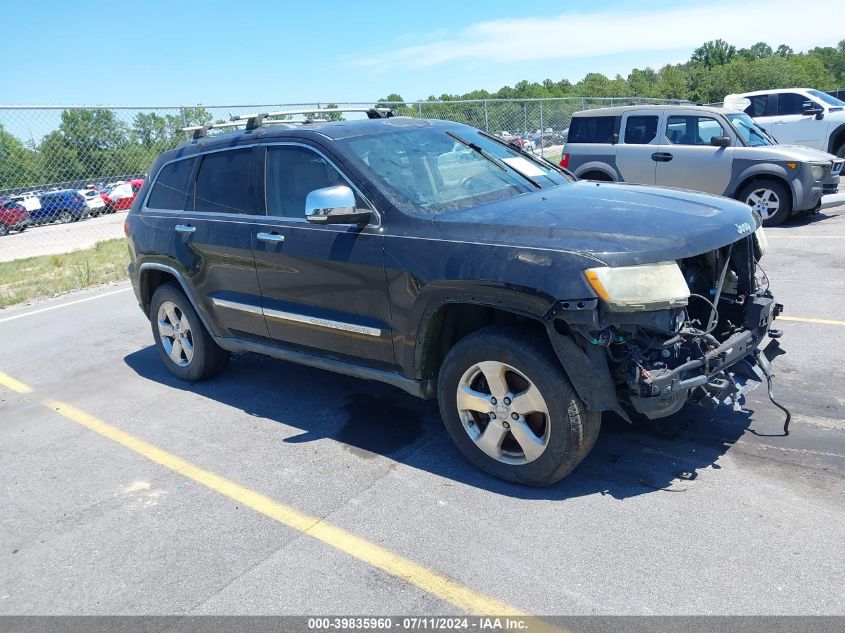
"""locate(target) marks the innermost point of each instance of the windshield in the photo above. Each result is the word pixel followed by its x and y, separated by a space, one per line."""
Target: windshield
pixel 828 99
pixel 436 170
pixel 750 132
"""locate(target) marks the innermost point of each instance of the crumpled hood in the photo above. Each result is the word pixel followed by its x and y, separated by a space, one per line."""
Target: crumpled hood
pixel 617 224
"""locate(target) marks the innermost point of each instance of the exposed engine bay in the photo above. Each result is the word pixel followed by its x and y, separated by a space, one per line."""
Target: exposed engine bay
pixel 703 352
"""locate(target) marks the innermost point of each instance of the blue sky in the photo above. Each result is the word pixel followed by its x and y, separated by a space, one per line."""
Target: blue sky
pixel 214 52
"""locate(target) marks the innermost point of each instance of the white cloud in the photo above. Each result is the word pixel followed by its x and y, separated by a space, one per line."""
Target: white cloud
pixel 578 35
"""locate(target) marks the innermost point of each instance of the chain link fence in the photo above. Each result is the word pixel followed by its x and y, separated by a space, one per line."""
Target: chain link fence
pixel 68 174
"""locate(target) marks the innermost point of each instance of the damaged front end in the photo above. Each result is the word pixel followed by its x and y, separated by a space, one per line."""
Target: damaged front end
pixel 697 342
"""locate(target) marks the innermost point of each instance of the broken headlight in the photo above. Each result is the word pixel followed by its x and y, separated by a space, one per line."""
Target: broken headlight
pixel 646 287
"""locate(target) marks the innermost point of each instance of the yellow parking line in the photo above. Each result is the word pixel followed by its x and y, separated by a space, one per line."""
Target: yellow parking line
pixel 15 385
pixel 426 579
pixel 809 320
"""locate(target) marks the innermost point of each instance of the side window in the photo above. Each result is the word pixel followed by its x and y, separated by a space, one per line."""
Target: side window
pixel 171 188
pixel 790 103
pixel 592 129
pixel 758 105
pixel 293 172
pixel 692 130
pixel 228 182
pixel 640 130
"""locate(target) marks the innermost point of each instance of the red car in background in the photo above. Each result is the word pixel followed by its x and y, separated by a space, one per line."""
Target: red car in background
pixel 13 216
pixel 121 197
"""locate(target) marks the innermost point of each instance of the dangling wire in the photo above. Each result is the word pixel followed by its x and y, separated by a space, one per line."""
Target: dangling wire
pixel 714 315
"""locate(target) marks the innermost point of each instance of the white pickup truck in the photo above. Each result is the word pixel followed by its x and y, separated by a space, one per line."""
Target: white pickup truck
pixel 796 116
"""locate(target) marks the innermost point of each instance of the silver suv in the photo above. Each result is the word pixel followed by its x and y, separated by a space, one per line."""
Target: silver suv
pixel 713 150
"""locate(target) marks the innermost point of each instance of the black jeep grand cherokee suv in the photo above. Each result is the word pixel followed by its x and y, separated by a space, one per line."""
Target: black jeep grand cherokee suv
pixel 431 256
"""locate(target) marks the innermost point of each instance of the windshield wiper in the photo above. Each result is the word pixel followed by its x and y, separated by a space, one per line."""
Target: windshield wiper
pixel 541 160
pixel 498 162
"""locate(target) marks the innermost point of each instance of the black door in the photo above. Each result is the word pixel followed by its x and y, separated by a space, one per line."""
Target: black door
pixel 217 232
pixel 323 287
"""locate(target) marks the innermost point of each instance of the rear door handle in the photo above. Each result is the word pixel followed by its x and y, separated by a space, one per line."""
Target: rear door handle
pixel 662 157
pixel 184 228
pixel 270 237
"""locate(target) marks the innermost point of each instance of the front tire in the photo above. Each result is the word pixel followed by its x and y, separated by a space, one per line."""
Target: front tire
pixel 183 343
pixel 65 217
pixel 511 410
pixel 770 198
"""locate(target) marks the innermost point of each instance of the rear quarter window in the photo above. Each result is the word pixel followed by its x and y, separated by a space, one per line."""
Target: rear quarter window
pixel 173 185
pixel 592 129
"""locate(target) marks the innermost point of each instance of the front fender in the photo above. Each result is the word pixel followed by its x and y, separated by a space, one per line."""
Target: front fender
pixel 764 170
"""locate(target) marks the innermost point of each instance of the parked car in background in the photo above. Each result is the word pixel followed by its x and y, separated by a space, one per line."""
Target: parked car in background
pixel 796 116
pixel 122 196
pixel 95 203
pixel 707 149
pixel 29 200
pixel 64 205
pixel 13 216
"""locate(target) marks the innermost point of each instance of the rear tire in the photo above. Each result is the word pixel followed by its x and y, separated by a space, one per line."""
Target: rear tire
pixel 3 230
pixel 541 429
pixel 596 176
pixel 769 197
pixel 183 343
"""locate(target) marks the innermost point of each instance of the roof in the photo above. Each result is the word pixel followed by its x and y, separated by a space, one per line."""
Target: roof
pixel 332 130
pixel 620 110
pixel 770 92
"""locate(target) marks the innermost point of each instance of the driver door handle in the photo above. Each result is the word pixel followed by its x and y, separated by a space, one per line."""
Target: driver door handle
pixel 184 228
pixel 270 237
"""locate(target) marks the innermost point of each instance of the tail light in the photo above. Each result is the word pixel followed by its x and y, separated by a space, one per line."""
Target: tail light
pixel 564 161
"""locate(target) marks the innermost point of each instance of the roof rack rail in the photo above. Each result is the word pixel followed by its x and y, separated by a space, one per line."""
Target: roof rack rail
pixel 256 120
pixel 372 113
pixel 251 121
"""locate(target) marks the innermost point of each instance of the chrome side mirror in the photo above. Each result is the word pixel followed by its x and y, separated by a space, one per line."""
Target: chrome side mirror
pixel 334 205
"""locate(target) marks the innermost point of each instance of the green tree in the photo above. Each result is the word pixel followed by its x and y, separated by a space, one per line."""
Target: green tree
pixel 94 135
pixel 18 163
pixel 58 161
pixel 713 53
pixel 760 50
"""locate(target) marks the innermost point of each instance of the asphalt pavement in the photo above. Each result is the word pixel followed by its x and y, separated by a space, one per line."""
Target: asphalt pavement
pixel 279 489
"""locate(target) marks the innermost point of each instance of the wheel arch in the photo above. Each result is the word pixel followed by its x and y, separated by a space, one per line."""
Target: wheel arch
pixel 764 172
pixel 451 321
pixel 151 275
pixel 600 168
pixel 836 139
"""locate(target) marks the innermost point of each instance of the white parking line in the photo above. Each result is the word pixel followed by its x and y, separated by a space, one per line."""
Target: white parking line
pixel 63 305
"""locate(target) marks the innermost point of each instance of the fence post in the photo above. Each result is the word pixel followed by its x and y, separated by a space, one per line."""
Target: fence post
pixel 542 131
pixel 419 107
pixel 486 120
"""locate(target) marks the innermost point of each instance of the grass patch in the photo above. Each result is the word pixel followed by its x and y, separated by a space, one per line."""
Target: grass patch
pixel 49 275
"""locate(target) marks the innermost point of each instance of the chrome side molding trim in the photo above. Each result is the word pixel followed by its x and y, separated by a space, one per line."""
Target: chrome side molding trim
pixel 297 318
pixel 234 305
pixel 328 323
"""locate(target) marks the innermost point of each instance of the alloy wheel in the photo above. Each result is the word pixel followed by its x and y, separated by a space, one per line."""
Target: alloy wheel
pixel 503 412
pixel 764 201
pixel 175 332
